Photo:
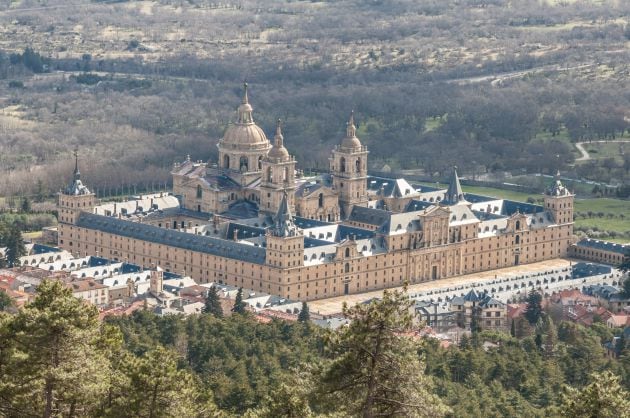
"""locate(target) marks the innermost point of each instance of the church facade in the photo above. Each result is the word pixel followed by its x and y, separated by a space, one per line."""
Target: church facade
pixel 249 219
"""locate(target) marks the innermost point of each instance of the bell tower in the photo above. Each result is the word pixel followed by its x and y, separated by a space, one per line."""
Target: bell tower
pixel 348 166
pixel 73 200
pixel 278 176
pixel 559 202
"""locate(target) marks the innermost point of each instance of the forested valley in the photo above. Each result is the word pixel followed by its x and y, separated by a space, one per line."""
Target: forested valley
pixel 58 359
pixel 490 86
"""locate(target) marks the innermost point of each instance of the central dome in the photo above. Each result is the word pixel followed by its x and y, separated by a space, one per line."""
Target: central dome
pixel 244 134
pixel 250 135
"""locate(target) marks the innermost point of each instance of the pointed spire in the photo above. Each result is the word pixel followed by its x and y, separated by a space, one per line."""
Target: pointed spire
pixel 279 138
pixel 454 193
pixel 245 109
pixel 284 226
pixel 76 187
pixel 77 173
pixel 245 98
pixel 351 130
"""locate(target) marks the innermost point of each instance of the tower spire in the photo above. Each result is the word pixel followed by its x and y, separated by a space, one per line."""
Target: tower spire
pixel 454 194
pixel 245 109
pixel 279 138
pixel 245 98
pixel 284 226
pixel 351 130
pixel 77 173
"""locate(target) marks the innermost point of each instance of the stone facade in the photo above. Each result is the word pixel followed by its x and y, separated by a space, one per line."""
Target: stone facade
pixel 350 233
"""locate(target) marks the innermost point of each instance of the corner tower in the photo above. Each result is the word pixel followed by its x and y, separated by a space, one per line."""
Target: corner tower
pixel 285 242
pixel 559 202
pixel 243 146
pixel 73 200
pixel 278 176
pixel 348 166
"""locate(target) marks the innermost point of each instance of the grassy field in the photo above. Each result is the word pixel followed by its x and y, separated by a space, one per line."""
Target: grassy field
pixel 608 150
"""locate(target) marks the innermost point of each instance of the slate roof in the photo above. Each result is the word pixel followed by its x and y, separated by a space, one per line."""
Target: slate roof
pixel 603 245
pixel 43 249
pixel 242 209
pixel 243 231
pixel 344 231
pixel 173 238
pixel 387 187
pixel 307 188
pixel 177 211
pixel 416 205
pixel 305 223
pixel 376 217
pixel 454 193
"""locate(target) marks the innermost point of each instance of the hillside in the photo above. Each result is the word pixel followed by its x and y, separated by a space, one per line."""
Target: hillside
pixel 487 85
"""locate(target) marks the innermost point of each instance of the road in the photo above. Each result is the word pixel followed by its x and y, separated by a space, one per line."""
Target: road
pixel 585 155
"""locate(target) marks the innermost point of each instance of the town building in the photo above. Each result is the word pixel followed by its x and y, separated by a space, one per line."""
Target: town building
pixel 251 220
pixel 479 310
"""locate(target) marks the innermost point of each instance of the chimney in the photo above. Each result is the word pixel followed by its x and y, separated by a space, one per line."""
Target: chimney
pixel 115 207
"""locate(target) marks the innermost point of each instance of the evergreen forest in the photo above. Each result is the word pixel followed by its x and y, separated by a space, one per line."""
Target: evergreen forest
pixel 58 360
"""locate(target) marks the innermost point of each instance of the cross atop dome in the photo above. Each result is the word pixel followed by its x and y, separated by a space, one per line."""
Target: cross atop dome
pixel 245 109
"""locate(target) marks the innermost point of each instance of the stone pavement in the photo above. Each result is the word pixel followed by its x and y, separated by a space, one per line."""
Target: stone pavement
pixel 334 305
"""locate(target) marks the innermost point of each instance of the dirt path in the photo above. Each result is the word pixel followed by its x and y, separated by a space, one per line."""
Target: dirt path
pixel 585 155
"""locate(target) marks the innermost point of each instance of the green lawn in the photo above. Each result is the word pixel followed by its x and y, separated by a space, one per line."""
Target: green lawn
pixel 605 205
pixel 606 150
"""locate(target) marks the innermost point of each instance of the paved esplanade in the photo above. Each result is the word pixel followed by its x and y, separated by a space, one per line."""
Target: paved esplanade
pixel 334 305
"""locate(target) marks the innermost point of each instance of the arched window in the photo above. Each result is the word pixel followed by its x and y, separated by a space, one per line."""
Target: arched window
pixel 517 240
pixel 285 174
pixel 260 162
pixel 342 164
pixel 269 174
pixel 518 225
pixel 320 200
pixel 358 165
pixel 226 161
pixel 347 268
pixel 243 164
pixel 199 191
pixel 347 252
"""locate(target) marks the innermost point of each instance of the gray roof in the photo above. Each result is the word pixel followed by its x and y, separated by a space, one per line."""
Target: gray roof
pixel 173 238
pixel 376 217
pixel 454 193
pixel 604 245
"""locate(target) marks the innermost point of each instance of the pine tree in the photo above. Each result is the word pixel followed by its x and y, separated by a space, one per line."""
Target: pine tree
pixel 239 305
pixel 603 398
pixel 533 311
pixel 551 338
pixel 213 303
pixel 375 368
pixel 5 301
pixel 304 315
pixel 513 329
pixel 15 246
pixel 153 386
pixel 26 205
pixel 53 359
